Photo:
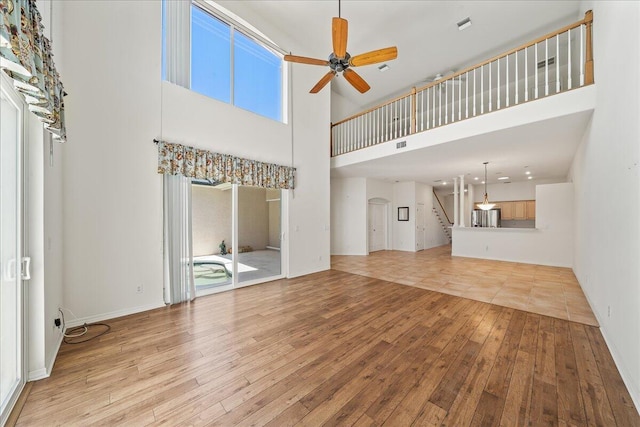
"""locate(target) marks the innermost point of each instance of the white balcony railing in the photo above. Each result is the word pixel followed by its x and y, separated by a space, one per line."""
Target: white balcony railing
pixel 554 63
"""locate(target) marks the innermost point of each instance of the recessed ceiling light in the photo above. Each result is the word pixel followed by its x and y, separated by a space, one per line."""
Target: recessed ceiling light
pixel 527 173
pixel 444 183
pixel 464 24
pixel 476 178
pixel 530 177
pixel 482 182
pixel 382 68
pixel 502 178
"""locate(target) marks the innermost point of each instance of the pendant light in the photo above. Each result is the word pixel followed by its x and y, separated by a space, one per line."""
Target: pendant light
pixel 485 205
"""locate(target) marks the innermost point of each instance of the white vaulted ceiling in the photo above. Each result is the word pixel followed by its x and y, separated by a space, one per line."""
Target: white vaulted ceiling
pixel 429 43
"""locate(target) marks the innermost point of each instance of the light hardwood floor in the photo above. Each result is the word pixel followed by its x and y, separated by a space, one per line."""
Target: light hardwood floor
pixel 552 291
pixel 335 348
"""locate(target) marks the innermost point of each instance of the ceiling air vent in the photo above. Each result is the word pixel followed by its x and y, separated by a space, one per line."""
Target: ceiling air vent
pixel 549 61
pixel 401 144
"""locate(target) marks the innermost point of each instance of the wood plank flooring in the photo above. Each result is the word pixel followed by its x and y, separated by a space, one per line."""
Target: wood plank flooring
pixel 551 291
pixel 335 348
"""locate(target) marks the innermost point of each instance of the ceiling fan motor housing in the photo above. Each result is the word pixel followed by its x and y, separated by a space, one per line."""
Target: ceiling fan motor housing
pixel 339 64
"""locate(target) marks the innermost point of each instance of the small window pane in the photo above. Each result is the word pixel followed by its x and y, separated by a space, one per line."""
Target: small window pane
pixel 257 78
pixel 210 56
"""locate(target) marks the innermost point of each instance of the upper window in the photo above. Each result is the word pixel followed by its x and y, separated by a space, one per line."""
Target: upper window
pixel 228 62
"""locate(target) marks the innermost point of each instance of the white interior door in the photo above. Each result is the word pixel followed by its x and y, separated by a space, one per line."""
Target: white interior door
pixel 420 229
pixel 377 227
pixel 11 294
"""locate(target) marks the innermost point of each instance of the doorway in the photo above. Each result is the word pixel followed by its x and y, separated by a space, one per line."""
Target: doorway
pixel 377 225
pixel 236 235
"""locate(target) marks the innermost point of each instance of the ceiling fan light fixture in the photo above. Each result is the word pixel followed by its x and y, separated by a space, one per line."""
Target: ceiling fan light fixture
pixel 464 24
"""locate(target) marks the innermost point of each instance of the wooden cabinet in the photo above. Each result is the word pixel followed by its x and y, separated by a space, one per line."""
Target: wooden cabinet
pixel 507 210
pixel 517 210
pixel 531 209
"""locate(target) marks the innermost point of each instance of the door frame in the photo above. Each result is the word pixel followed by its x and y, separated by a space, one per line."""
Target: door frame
pixel 386 221
pixel 6 86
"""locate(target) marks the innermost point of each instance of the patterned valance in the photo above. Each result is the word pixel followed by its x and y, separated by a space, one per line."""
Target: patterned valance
pixel 177 159
pixel 26 57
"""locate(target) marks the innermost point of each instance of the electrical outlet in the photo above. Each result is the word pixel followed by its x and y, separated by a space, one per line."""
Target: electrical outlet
pixel 609 311
pixel 140 289
pixel 57 322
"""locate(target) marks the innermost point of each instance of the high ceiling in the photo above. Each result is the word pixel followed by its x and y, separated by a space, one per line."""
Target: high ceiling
pixel 425 33
pixel 429 43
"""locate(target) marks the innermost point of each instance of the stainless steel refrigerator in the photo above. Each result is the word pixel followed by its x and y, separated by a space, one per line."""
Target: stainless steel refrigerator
pixel 490 218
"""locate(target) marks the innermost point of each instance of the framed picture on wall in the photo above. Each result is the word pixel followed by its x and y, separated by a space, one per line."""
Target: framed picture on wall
pixel 403 213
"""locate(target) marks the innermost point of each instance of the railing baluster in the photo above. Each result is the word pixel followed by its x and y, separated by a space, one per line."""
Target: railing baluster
pixel 526 74
pixel 546 67
pixel 569 59
pixel 506 103
pixel 433 106
pixel 516 80
pixel 446 99
pixel 482 90
pixel 581 55
pixel 474 92
pixel 440 104
pixel 460 97
pixel 498 86
pixel 490 90
pixel 535 71
pixel 466 104
pixel 558 63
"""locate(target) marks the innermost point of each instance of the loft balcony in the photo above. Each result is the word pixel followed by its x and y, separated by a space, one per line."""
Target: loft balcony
pixel 538 82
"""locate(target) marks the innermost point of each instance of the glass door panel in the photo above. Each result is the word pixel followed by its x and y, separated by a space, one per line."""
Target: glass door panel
pixel 11 304
pixel 259 213
pixel 212 213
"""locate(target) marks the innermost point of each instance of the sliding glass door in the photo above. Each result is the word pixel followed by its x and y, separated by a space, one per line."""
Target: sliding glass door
pixel 236 235
pixel 12 376
pixel 258 234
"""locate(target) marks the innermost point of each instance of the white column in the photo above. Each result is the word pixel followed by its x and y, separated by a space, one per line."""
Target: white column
pixel 455 202
pixel 470 198
pixel 463 213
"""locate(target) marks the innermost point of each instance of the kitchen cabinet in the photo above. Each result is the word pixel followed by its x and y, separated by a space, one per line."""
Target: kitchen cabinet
pixel 531 209
pixel 506 210
pixel 519 210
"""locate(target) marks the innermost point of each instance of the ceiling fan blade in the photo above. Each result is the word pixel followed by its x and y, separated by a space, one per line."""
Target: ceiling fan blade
pixel 305 60
pixel 375 56
pixel 340 29
pixel 356 81
pixel 323 82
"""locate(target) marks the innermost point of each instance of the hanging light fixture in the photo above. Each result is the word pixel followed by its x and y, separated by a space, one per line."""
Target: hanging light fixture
pixel 485 205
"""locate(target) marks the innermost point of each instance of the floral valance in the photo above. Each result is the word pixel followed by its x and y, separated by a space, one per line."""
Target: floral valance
pixel 26 57
pixel 177 159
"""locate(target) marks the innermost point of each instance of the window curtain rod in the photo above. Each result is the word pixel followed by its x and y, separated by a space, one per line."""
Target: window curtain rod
pixel 191 162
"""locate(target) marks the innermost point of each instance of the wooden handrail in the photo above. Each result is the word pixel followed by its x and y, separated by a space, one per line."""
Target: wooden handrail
pixel 441 207
pixel 587 20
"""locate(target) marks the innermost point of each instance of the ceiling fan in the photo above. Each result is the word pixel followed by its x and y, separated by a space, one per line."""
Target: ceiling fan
pixel 341 61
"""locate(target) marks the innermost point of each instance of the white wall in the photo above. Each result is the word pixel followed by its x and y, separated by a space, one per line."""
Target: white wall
pixel 521 190
pixel 342 107
pixel 112 193
pixel 549 244
pixel 605 173
pixel 349 216
pixel 404 235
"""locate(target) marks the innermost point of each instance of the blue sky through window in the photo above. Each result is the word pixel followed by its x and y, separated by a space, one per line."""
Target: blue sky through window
pixel 257 71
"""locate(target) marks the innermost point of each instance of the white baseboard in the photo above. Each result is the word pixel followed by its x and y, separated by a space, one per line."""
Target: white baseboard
pixel 112 315
pixel 38 374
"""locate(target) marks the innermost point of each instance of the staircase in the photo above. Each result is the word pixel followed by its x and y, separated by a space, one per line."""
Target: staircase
pixel 445 225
